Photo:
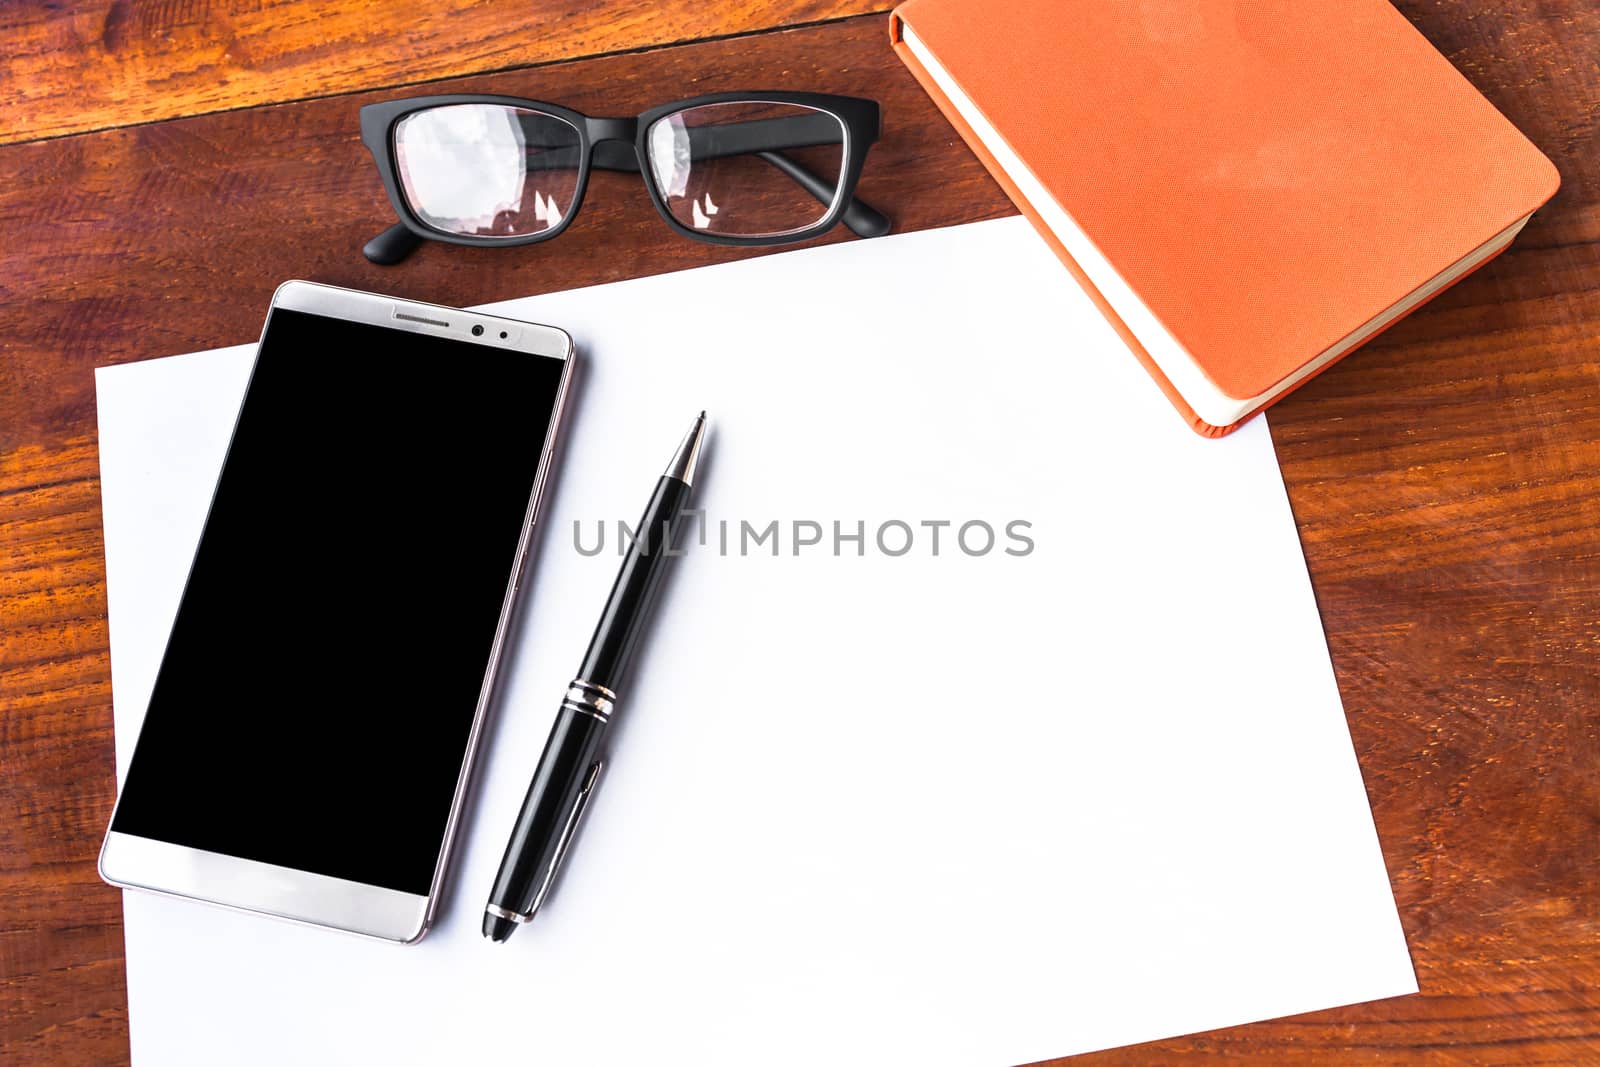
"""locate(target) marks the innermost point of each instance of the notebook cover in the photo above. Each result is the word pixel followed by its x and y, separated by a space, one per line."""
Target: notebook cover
pixel 1266 178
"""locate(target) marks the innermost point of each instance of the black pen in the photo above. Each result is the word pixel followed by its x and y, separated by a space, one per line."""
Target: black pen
pixel 574 752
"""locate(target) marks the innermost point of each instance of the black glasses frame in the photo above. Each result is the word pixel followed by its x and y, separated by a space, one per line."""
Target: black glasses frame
pixel 622 144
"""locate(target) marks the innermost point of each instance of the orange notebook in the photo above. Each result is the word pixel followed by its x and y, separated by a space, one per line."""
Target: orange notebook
pixel 1248 189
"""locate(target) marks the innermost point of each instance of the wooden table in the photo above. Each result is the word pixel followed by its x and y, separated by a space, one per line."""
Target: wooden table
pixel 167 164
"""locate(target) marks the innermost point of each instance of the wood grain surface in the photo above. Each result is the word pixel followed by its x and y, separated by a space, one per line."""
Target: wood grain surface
pixel 70 68
pixel 1446 481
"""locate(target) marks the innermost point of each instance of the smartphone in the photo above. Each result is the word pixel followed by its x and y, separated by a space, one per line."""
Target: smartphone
pixel 310 735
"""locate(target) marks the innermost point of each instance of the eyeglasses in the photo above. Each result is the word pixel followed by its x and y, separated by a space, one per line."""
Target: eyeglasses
pixel 754 168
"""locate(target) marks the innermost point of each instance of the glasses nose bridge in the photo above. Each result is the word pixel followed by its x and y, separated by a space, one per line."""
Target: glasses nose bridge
pixel 613 130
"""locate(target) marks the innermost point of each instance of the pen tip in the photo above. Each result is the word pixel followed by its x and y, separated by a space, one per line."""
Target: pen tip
pixel 688 454
pixel 497 929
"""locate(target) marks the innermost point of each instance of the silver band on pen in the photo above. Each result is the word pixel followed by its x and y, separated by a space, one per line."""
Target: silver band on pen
pixel 590 699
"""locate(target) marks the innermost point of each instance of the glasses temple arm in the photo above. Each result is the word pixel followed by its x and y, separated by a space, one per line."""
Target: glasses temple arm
pixel 768 138
pixel 391 246
pixel 863 219
pixel 763 139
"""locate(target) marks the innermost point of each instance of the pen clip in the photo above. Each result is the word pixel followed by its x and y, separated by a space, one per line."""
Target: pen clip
pixel 579 803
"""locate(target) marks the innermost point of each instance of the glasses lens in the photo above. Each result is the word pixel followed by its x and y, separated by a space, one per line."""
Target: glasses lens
pixel 748 168
pixel 485 170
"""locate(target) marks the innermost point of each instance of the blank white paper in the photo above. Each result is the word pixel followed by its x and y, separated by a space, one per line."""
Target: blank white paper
pixel 861 809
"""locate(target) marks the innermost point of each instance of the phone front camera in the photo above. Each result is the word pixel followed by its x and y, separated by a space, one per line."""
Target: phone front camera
pixel 477 331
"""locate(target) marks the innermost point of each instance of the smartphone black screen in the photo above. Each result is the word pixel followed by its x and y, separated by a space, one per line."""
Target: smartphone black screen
pixel 317 693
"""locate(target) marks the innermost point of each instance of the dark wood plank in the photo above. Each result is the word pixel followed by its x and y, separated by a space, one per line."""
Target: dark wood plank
pixel 1446 481
pixel 70 68
pixel 62 997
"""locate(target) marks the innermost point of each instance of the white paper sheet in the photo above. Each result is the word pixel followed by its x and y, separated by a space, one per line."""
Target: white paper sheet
pixel 865 809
